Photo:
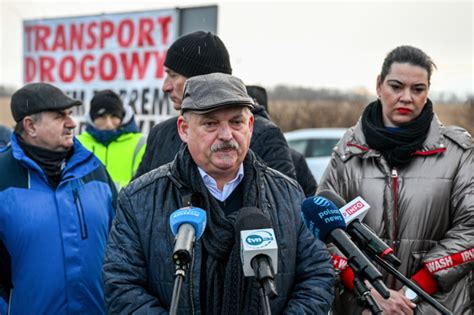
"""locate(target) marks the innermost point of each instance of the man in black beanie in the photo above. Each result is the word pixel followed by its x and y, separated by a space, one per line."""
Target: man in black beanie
pixel 113 136
pixel 107 103
pixel 193 54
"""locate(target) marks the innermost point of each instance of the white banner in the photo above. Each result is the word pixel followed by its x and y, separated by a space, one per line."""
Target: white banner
pixel 122 52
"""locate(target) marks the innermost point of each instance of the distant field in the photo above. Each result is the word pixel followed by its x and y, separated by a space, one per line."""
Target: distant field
pixel 5 114
pixel 296 115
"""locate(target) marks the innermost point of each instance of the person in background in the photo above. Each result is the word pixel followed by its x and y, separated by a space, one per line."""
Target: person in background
pixel 113 136
pixel 417 176
pixel 195 54
pixel 303 174
pixel 57 205
pixel 5 134
pixel 216 168
pixel 270 143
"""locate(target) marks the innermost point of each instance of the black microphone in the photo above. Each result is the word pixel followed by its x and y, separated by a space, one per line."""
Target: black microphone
pixel 353 212
pixel 258 248
pixel 324 220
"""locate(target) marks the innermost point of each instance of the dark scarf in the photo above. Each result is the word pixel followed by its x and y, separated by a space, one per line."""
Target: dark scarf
pixel 107 136
pixel 397 147
pixel 51 162
pixel 228 291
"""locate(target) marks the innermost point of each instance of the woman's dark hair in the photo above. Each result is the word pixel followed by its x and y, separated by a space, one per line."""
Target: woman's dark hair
pixel 407 54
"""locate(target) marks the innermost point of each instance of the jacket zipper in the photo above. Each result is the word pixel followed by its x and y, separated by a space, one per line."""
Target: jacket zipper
pixel 395 217
pixel 80 215
pixel 395 202
pixel 10 297
pixel 106 156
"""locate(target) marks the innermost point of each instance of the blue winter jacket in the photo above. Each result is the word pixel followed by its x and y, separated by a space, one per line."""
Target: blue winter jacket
pixel 52 241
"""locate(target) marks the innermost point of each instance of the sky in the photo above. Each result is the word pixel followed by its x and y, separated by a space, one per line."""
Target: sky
pixel 315 44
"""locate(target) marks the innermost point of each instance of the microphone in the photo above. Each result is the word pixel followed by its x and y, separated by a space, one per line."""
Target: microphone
pixel 353 212
pixel 258 248
pixel 324 220
pixel 187 224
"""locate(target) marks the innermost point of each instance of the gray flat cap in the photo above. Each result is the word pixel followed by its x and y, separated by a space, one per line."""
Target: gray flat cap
pixel 205 93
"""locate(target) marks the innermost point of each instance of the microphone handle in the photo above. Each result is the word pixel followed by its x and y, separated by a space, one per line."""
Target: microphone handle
pixel 183 247
pixel 365 296
pixel 358 261
pixel 262 267
pixel 367 239
pixel 397 274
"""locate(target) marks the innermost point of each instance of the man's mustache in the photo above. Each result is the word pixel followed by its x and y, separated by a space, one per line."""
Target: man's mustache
pixel 225 146
pixel 68 131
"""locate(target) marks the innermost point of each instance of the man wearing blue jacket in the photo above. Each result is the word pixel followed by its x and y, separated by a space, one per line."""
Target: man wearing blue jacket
pixel 57 205
pixel 219 174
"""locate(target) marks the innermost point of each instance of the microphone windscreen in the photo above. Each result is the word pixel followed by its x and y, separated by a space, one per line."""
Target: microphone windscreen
pixel 321 216
pixel 251 218
pixel 335 198
pixel 190 215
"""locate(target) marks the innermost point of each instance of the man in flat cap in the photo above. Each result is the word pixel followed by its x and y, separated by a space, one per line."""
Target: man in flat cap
pixel 200 53
pixel 217 172
pixel 57 205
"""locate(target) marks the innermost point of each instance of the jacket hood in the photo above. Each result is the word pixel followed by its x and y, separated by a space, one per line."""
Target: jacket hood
pixel 259 110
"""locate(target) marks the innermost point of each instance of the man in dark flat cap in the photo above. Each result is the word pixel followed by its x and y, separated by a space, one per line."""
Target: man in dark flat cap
pixel 194 54
pixel 57 204
pixel 217 172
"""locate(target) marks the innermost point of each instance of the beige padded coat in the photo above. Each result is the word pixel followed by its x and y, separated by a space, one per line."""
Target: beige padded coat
pixel 424 210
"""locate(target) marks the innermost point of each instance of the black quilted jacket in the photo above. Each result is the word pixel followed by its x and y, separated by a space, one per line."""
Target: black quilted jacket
pixel 139 272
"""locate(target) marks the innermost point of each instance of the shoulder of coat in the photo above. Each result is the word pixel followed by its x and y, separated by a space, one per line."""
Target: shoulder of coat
pixel 460 136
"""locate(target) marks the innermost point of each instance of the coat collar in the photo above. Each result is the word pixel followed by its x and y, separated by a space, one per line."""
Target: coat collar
pixel 353 143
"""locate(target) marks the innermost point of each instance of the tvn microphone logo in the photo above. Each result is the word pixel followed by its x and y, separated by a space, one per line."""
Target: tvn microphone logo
pixel 259 239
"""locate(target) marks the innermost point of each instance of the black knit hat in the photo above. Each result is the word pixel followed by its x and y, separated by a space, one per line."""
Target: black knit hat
pixel 106 102
pixel 34 98
pixel 198 53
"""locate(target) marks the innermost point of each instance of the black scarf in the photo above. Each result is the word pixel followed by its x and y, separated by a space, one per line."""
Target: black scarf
pixel 397 147
pixel 228 291
pixel 51 162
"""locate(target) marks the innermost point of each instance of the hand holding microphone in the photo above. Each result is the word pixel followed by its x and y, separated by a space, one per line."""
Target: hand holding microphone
pixel 354 211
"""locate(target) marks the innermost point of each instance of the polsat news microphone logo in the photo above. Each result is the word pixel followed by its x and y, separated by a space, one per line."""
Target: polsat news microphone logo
pixel 259 239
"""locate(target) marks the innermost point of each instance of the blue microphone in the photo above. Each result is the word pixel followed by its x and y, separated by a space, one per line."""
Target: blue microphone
pixel 187 224
pixel 325 221
pixel 353 212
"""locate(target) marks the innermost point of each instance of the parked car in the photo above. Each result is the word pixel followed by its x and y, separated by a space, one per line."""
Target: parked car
pixel 316 145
